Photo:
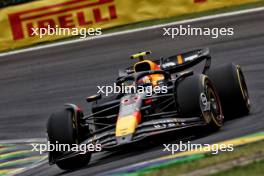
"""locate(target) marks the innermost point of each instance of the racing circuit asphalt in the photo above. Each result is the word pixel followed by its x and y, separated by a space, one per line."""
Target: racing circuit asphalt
pixel 36 83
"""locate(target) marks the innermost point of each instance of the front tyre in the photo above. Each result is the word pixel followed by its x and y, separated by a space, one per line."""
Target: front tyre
pixel 197 97
pixel 61 129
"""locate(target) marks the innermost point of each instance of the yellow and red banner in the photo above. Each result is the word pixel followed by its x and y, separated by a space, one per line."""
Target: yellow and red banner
pixel 16 22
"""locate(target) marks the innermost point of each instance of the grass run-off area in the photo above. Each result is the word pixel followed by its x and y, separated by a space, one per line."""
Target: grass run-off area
pixel 255 168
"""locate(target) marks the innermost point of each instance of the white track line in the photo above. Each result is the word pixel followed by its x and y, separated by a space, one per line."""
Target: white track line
pixel 34 48
pixel 22 141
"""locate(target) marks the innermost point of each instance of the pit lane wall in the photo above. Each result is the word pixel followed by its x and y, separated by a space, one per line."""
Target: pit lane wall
pixel 16 21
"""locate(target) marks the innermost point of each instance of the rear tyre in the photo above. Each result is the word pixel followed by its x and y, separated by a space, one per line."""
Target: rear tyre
pixel 197 97
pixel 61 129
pixel 232 88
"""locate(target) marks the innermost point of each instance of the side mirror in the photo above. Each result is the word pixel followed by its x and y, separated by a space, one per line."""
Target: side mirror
pixel 93 98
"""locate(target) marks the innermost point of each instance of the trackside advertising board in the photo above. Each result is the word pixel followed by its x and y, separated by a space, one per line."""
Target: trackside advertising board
pixel 16 22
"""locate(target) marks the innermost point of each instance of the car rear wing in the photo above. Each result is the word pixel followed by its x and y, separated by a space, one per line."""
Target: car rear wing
pixel 183 61
pixel 179 62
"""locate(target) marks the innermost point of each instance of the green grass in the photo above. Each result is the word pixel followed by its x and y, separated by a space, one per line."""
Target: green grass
pixel 256 169
pixel 211 160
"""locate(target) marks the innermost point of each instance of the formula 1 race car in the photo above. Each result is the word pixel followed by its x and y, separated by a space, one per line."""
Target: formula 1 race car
pixel 185 99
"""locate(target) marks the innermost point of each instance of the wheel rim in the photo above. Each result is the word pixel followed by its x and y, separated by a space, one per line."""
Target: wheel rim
pixel 215 113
